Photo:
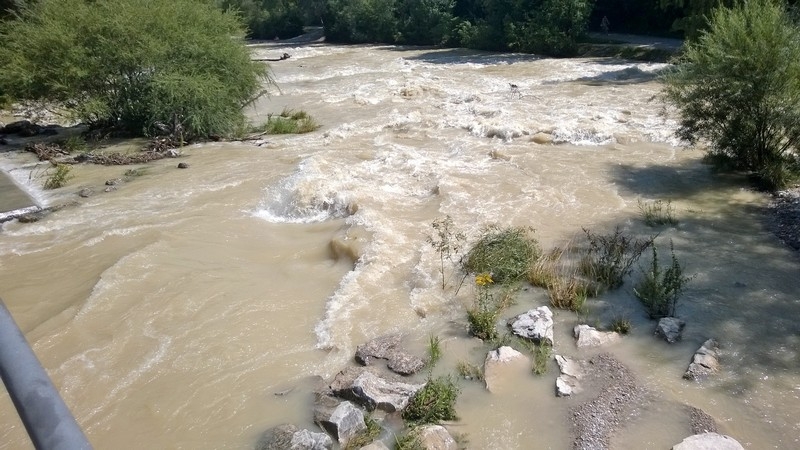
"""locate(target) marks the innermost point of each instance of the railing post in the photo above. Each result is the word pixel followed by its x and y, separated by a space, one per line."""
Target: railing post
pixel 49 422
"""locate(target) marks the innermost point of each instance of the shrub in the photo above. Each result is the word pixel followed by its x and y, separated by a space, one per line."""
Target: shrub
pixel 58 177
pixel 660 289
pixel 621 325
pixel 433 403
pixel 504 253
pixel 448 242
pixel 609 257
pixel 657 212
pixel 125 64
pixel 738 88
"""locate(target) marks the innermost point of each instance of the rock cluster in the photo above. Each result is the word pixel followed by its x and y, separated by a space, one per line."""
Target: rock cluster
pixel 388 348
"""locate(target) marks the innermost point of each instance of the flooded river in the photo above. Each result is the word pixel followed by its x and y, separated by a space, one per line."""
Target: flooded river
pixel 171 311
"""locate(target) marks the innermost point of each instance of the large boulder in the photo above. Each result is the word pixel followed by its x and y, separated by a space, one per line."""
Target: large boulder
pixel 371 391
pixel 590 337
pixel 669 329
pixel 568 382
pixel 289 437
pixel 536 324
pixel 388 348
pixel 341 419
pixel 22 128
pixel 435 437
pixel 502 366
pixel 708 441
pixel 705 361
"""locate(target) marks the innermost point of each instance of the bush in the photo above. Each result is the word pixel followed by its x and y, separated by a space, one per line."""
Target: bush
pixel 610 257
pixel 660 289
pixel 551 29
pixel 360 21
pixel 141 66
pixel 738 88
pixel 433 403
pixel 448 242
pixel 506 254
pixel 267 19
pixel 58 177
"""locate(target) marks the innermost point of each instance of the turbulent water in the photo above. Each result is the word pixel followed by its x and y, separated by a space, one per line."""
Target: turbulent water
pixel 171 311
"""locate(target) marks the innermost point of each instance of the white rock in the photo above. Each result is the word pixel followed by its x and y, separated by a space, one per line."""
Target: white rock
pixel 536 324
pixel 709 441
pixel 503 366
pixel 589 337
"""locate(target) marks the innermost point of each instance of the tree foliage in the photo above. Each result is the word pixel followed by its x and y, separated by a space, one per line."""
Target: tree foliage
pixel 267 19
pixel 738 88
pixel 136 65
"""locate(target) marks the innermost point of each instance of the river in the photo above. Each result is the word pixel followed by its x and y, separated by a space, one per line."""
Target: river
pixel 171 311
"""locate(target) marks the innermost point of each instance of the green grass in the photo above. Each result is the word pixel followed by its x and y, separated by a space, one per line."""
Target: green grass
pixel 657 212
pixel 58 177
pixel 409 441
pixel 505 253
pixel 541 354
pixel 434 350
pixel 469 371
pixel 75 144
pixel 558 273
pixel 433 403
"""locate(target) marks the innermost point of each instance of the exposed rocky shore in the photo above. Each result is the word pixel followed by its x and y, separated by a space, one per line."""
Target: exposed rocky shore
pixel 783 218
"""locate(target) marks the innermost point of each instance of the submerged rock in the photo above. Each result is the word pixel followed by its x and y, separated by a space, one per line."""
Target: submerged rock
pixel 670 328
pixel 590 337
pixel 289 437
pixel 536 324
pixel 709 441
pixel 388 347
pixel 371 391
pixel 700 422
pixel 501 365
pixel 705 361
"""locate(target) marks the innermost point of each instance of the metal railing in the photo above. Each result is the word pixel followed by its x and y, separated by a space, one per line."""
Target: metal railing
pixel 49 422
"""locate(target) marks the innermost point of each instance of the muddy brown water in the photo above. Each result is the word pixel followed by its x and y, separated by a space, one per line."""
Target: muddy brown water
pixel 171 311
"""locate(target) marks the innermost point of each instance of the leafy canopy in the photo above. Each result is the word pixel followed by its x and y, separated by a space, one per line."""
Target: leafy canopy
pixel 738 88
pixel 137 65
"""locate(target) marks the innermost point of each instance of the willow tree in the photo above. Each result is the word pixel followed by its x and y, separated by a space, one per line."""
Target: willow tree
pixel 737 88
pixel 142 66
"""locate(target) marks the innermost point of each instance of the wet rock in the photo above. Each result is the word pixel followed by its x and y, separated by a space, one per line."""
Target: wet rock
pixel 435 437
pixel 110 189
pixel 709 441
pixel 669 329
pixel 590 337
pixel 387 347
pixel 536 324
pixel 183 165
pixel 568 382
pixel 172 153
pixel 705 361
pixel 341 419
pixel 114 182
pixel 22 128
pixel 542 138
pixel 371 391
pixel 289 437
pixel 32 217
pixel 3 141
pixel 49 131
pixel 700 422
pixel 501 365
pixel 86 192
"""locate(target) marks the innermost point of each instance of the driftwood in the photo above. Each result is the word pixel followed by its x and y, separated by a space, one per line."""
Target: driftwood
pixel 156 149
pixel 46 152
pixel 283 57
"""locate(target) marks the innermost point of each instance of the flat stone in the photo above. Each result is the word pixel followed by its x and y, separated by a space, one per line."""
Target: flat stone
pixel 371 391
pixel 708 441
pixel 669 329
pixel 568 382
pixel 536 324
pixel 503 366
pixel 388 348
pixel 590 337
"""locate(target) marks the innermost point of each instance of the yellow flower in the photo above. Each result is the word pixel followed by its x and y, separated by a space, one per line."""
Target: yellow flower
pixel 482 279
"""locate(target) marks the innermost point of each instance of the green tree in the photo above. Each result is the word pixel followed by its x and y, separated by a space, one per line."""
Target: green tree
pixel 136 65
pixel 550 27
pixel 693 15
pixel 424 22
pixel 738 88
pixel 267 19
pixel 361 21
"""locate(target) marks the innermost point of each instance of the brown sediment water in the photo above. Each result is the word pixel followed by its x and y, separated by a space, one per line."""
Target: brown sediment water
pixel 170 311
